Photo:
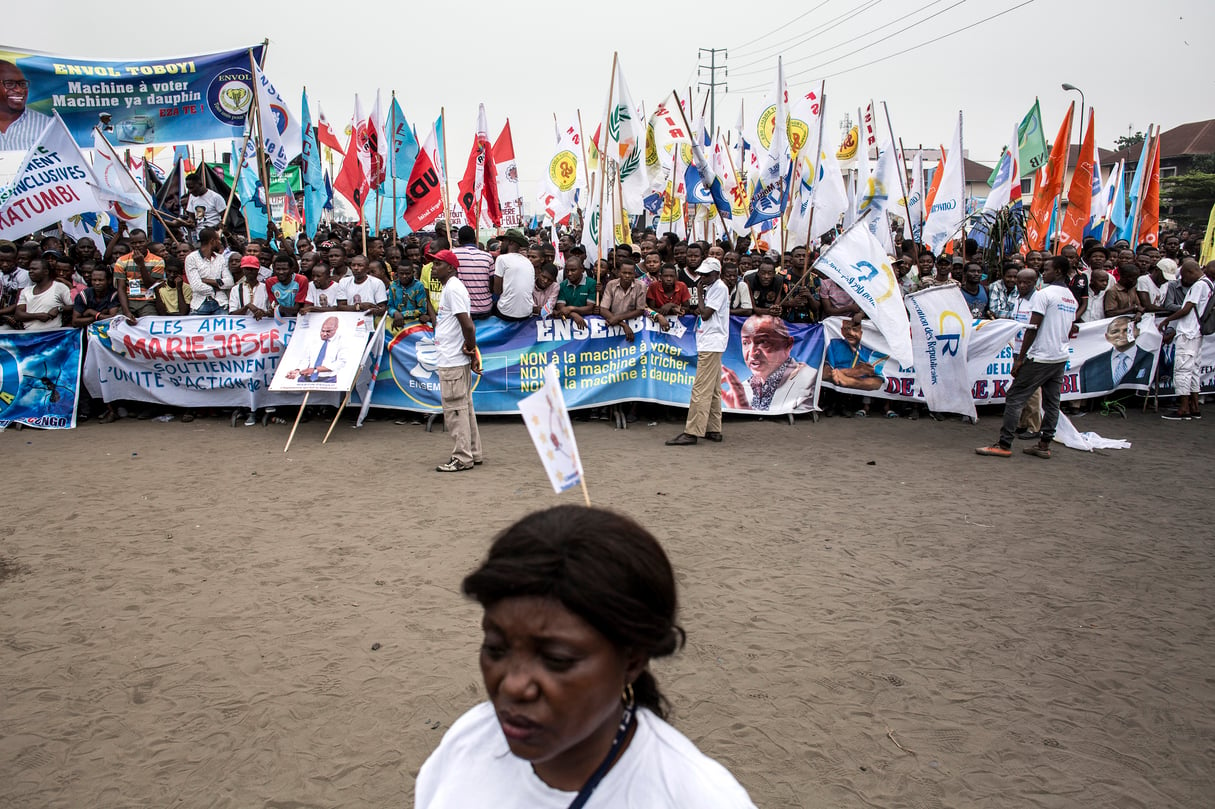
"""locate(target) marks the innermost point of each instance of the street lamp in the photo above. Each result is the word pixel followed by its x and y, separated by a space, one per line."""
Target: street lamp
pixel 1072 87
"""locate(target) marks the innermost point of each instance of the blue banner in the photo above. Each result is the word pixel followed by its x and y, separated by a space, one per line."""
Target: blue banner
pixel 598 366
pixel 39 372
pixel 151 101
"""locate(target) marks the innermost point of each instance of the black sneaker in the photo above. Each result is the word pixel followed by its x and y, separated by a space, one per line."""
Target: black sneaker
pixel 1173 415
pixel 1028 434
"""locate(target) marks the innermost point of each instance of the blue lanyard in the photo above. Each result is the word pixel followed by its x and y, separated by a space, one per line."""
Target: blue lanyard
pixel 627 720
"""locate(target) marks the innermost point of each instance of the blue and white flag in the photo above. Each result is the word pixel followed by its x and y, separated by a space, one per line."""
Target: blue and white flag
pixel 280 130
pixel 940 339
pixel 771 190
pixel 39 376
pixel 313 174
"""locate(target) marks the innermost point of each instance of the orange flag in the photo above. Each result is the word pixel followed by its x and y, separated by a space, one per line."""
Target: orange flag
pixel 936 182
pixel 1080 193
pixel 1149 223
pixel 1051 187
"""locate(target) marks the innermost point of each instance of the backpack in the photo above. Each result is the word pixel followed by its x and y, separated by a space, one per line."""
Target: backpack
pixel 1206 319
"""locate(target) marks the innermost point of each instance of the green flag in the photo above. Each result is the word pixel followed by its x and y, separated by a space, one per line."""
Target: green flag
pixel 1032 143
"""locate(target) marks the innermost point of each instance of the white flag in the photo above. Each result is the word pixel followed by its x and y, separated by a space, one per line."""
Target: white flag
pixel 282 139
pixel 914 226
pixel 1007 186
pixel 828 198
pixel 53 183
pixel 115 183
pixel 878 194
pixel 624 144
pixel 858 263
pixel 940 338
pixel 563 175
pixel 948 207
pixel 548 423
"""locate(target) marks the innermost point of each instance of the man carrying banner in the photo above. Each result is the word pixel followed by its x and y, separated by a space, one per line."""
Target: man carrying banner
pixel 712 335
pixel 456 344
pixel 1041 361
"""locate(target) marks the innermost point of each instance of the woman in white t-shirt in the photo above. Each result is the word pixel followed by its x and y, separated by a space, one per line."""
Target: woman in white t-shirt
pixel 43 303
pixel 576 602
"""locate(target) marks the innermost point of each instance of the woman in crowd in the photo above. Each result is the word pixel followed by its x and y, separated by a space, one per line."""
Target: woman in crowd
pixel 577 601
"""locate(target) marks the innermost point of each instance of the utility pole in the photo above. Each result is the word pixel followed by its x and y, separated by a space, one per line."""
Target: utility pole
pixel 712 83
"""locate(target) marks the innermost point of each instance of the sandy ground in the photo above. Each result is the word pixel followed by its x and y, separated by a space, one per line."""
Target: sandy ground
pixel 187 614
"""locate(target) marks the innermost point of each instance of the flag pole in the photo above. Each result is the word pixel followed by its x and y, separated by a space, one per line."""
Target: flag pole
pixel 446 175
pixel 262 177
pixel 586 166
pixel 903 166
pixel 392 115
pixel 143 192
pixel 962 176
pixel 603 159
pixel 291 437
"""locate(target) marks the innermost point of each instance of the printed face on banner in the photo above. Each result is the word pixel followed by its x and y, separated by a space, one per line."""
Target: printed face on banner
pixel 324 353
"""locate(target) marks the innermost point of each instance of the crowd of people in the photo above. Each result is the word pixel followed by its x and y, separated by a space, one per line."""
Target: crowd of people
pixel 201 269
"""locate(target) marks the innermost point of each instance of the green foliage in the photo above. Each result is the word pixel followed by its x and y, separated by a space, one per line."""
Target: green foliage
pixel 1127 141
pixel 1196 190
pixel 1204 164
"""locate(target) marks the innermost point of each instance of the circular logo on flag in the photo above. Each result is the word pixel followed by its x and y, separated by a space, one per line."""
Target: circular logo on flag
pixel 563 170
pixel 685 153
pixel 230 95
pixel 798 131
pixel 672 209
pixel 767 126
pixel 281 117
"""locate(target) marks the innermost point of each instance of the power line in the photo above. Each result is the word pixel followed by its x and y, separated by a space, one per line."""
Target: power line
pixel 816 31
pixel 846 42
pixel 904 51
pixel 778 30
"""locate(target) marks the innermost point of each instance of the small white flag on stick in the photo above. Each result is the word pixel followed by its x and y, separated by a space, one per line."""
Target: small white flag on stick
pixel 548 422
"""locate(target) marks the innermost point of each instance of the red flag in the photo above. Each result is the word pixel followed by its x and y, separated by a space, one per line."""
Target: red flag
pixel 326 135
pixel 1051 187
pixel 363 165
pixel 350 182
pixel 1149 223
pixel 424 192
pixel 479 187
pixel 1080 193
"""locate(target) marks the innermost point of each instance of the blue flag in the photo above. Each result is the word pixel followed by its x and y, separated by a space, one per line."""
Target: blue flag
pixel 313 174
pixel 403 142
pixel 1131 223
pixel 250 192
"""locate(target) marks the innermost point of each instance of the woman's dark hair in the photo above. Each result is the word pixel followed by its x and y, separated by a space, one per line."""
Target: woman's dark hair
pixel 601 566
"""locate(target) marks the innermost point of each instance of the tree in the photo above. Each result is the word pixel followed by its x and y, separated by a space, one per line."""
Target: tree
pixel 1191 196
pixel 1128 141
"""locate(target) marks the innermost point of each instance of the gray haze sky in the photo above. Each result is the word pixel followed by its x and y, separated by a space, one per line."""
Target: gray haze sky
pixel 1137 62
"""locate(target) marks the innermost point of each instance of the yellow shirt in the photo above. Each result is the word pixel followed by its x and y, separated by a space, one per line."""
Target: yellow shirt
pixel 433 286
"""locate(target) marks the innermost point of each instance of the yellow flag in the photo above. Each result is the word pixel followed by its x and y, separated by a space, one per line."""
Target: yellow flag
pixel 1208 242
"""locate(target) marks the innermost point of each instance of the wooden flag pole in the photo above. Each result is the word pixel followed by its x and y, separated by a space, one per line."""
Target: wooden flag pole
pixel 603 161
pixel 902 166
pixel 143 192
pixel 392 116
pixel 446 175
pixel 962 176
pixel 338 414
pixel 262 177
pixel 298 415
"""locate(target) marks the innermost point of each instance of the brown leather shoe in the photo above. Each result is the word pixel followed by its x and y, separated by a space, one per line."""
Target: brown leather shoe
pixel 682 440
pixel 715 437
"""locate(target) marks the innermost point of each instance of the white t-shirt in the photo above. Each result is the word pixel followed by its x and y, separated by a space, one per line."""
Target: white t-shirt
pixel 1188 326
pixel 518 280
pixel 1021 315
pixel 213 204
pixel 661 768
pixel 330 295
pixel 713 334
pixel 449 334
pixel 242 295
pixel 1146 284
pixel 56 296
pixel 1057 306
pixel 372 290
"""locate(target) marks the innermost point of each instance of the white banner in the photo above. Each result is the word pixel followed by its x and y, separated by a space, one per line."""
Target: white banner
pixel 325 353
pixel 940 338
pixel 188 361
pixel 54 182
pixel 1107 355
pixel 857 262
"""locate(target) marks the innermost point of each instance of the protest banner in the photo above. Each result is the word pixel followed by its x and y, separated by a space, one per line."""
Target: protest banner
pixel 1107 355
pixel 1206 369
pixel 219 361
pixel 54 183
pixel 39 372
pixel 152 101
pixel 599 367
pixel 941 327
pixel 324 353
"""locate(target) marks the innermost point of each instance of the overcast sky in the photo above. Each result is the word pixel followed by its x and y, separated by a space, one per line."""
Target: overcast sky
pixel 1137 62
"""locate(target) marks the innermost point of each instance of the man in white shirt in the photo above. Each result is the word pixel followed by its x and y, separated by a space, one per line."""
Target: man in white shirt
pixel 1041 361
pixel 364 292
pixel 207 274
pixel 514 278
pixel 712 335
pixel 456 345
pixel 1186 337
pixel 205 207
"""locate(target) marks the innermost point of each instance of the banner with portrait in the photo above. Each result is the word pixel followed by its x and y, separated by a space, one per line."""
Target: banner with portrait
pixel 770 366
pixel 186 98
pixel 1206 368
pixel 39 372
pixel 325 352
pixel 1118 353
